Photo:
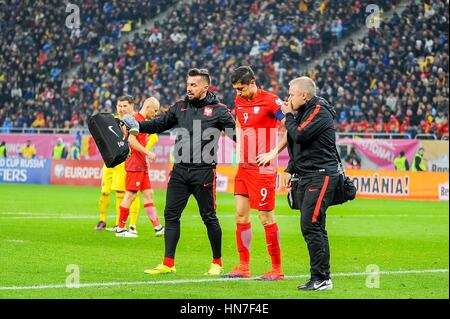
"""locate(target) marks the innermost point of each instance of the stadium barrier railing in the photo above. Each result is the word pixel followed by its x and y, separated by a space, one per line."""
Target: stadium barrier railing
pixel 85 131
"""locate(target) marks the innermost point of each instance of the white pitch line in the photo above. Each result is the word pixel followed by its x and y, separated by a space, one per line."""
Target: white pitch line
pixel 16 241
pixel 185 281
pixel 19 213
pixel 50 217
pixel 43 215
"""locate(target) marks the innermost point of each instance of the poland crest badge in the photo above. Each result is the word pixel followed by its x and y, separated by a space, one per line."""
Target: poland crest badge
pixel 208 111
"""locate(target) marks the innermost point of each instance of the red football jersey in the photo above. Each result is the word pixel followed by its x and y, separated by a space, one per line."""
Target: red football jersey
pixel 137 161
pixel 259 125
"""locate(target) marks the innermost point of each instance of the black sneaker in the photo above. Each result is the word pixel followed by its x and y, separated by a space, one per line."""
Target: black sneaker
pixel 101 225
pixel 317 285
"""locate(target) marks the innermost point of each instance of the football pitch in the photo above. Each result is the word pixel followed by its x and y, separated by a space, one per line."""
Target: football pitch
pixel 48 239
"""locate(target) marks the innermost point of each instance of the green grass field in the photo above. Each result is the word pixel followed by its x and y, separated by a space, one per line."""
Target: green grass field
pixel 47 228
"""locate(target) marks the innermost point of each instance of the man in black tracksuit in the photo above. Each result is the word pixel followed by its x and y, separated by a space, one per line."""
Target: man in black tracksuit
pixel 199 120
pixel 311 146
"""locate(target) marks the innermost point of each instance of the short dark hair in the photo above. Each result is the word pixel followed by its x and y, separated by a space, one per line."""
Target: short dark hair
pixel 242 74
pixel 203 73
pixel 126 98
pixel 402 153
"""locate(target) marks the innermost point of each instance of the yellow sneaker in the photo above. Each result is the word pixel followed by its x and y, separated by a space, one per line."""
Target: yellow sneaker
pixel 160 269
pixel 215 270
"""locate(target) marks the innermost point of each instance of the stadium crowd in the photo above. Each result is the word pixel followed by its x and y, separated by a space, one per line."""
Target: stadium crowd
pixel 394 80
pixel 37 49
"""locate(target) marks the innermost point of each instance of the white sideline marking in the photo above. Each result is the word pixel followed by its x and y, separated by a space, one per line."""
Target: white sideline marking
pixel 17 241
pixel 184 281
pixel 19 213
pixel 51 217
pixel 44 215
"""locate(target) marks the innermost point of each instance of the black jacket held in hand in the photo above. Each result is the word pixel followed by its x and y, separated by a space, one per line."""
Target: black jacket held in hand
pixel 197 126
pixel 312 138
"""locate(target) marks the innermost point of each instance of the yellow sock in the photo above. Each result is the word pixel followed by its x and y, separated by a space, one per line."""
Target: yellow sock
pixel 119 198
pixel 103 205
pixel 134 210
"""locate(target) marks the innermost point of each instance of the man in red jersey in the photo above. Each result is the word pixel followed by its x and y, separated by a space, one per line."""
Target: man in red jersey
pixel 257 115
pixel 136 166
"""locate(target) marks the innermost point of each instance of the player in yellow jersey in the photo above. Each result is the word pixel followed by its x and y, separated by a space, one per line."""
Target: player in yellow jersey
pixel 113 179
pixel 104 196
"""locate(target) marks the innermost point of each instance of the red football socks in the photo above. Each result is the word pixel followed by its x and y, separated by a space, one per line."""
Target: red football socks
pixel 273 244
pixel 243 239
pixel 217 261
pixel 169 262
pixel 151 213
pixel 124 212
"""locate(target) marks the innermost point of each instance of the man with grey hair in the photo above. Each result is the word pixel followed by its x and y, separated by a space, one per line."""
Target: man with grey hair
pixel 314 159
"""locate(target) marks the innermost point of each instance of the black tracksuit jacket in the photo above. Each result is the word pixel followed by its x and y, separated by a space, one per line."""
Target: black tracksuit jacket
pixel 312 138
pixel 208 113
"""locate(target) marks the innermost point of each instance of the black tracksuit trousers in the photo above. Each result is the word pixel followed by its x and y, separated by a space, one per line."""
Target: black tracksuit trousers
pixel 315 194
pixel 201 182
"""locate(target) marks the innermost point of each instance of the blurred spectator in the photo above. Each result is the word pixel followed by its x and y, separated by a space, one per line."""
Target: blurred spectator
pixel 59 150
pixel 39 121
pixel 353 160
pixel 74 153
pixel 3 152
pixel 441 122
pixel 7 125
pixel 419 163
pixel 28 151
pixel 401 162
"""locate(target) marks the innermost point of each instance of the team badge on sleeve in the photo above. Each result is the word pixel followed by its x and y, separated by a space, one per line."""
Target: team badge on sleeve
pixel 279 102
